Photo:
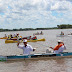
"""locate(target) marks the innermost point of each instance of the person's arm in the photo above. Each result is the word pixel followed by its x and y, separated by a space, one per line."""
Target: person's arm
pixel 32 49
pixel 55 48
pixel 19 46
pixel 51 47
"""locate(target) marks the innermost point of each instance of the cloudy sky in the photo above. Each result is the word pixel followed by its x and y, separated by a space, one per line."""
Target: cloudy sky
pixel 34 13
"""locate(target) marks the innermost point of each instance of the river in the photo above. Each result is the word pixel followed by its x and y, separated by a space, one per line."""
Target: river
pixel 41 65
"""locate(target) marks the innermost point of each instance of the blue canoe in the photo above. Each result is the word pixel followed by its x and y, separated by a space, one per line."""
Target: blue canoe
pixel 36 56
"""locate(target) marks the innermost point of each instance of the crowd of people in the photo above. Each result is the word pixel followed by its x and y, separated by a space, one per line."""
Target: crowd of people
pixel 13 36
pixel 18 36
pixel 60 47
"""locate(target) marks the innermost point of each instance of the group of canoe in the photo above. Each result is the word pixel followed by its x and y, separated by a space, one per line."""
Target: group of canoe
pixel 16 39
pixel 31 56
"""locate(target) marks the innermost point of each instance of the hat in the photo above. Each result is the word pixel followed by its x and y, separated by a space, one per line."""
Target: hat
pixel 25 40
pixel 59 41
pixel 17 33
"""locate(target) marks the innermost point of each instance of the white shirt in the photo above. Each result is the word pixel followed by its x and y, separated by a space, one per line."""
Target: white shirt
pixel 27 49
pixel 61 49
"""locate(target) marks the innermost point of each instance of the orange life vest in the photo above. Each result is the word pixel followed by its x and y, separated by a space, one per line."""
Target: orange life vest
pixel 58 46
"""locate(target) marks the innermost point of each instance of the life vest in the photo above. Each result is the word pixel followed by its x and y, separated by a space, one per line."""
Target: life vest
pixel 58 46
pixel 34 38
pixel 17 36
pixel 9 37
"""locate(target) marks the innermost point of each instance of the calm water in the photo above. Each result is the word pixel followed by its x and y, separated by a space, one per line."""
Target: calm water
pixel 44 65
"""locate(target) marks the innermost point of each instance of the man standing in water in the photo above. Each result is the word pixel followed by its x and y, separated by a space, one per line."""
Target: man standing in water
pixel 26 47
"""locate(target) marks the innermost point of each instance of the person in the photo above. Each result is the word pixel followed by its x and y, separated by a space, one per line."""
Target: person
pixel 59 48
pixel 5 35
pixel 28 38
pixel 9 37
pixel 41 32
pixel 17 35
pixel 62 33
pixel 14 35
pixel 34 37
pixel 37 32
pixel 26 47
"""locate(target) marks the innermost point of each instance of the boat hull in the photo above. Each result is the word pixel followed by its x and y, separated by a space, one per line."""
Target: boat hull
pixel 36 56
pixel 15 41
pixel 38 34
pixel 4 38
pixel 62 35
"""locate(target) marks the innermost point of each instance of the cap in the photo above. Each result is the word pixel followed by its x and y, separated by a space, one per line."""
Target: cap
pixel 59 41
pixel 35 48
pixel 25 40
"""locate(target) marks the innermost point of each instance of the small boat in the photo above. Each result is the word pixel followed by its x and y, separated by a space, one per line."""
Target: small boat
pixel 61 35
pixel 15 41
pixel 3 37
pixel 36 56
pixel 6 37
pixel 14 38
pixel 38 34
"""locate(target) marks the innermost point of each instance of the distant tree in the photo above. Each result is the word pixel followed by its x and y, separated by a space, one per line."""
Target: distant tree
pixel 64 26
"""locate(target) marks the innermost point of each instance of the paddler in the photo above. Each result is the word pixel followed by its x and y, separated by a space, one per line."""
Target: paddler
pixel 17 35
pixel 9 37
pixel 26 47
pixel 60 47
pixel 34 37
pixel 62 33
pixel 5 35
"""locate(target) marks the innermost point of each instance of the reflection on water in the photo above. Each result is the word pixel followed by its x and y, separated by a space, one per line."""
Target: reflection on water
pixel 41 65
pixel 44 65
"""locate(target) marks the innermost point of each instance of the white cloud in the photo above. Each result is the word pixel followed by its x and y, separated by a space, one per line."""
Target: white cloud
pixel 34 13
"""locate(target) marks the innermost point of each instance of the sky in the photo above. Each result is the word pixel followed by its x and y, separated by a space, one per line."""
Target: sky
pixel 15 14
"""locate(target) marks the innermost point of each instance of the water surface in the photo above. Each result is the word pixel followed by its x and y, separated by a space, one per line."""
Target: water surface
pixel 42 65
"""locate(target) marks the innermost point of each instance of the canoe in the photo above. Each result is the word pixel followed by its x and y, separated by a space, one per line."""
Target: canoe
pixel 38 34
pixel 61 35
pixel 15 41
pixel 36 56
pixel 3 37
pixel 7 38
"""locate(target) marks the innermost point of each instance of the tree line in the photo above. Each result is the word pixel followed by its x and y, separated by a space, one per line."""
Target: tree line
pixel 62 26
pixel 25 29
